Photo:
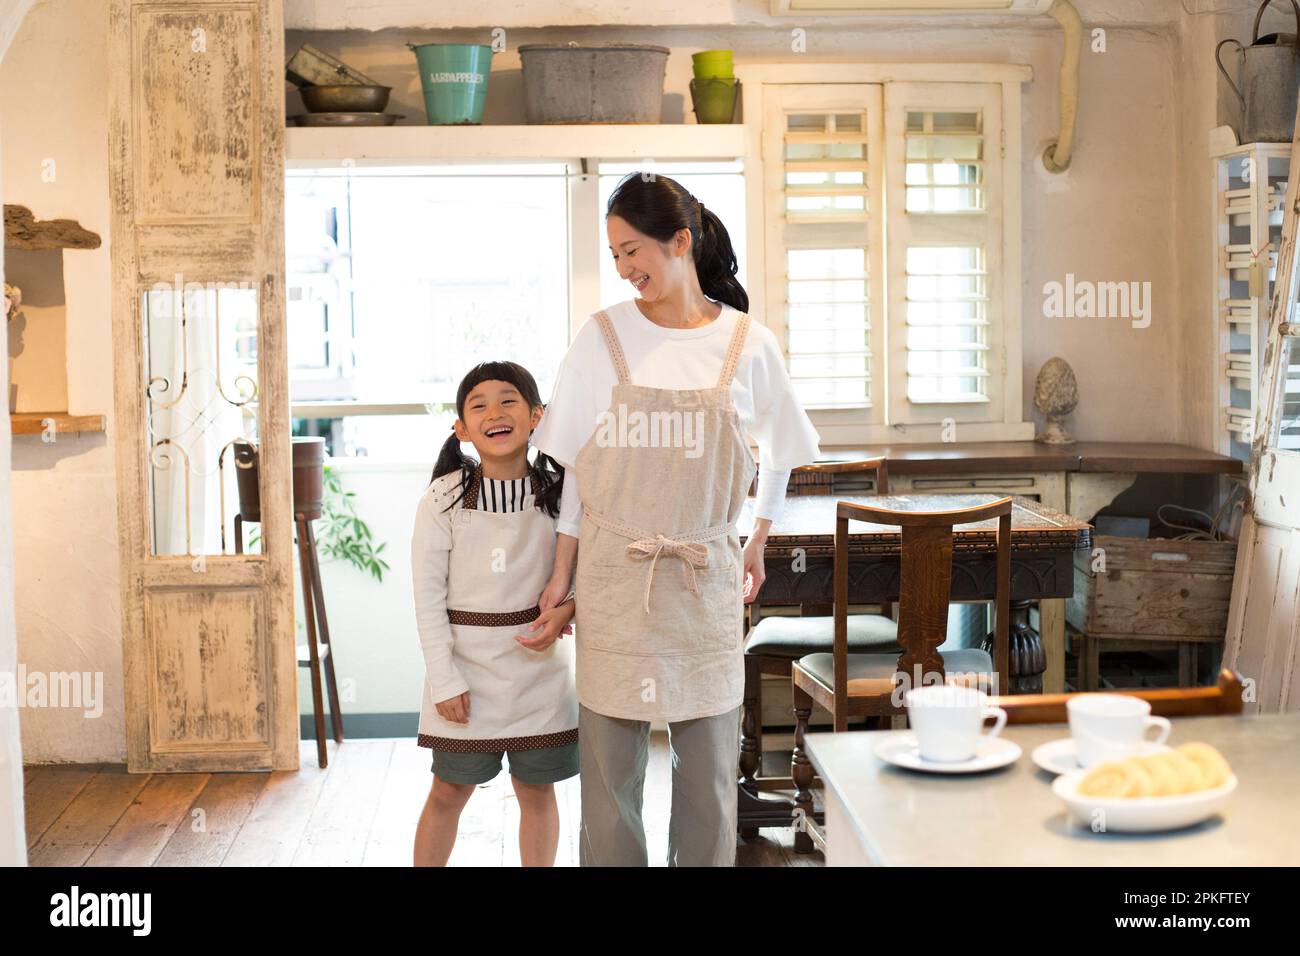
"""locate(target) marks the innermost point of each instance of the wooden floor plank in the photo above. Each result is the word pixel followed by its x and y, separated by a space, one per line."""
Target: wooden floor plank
pixel 271 833
pixel 364 808
pixel 48 791
pixel 480 836
pixel 139 835
pixel 339 828
pixel 568 794
pixel 405 788
pixel 657 803
pixel 77 832
pixel 213 820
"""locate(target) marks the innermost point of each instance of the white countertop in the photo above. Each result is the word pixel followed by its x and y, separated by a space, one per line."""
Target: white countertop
pixel 1011 817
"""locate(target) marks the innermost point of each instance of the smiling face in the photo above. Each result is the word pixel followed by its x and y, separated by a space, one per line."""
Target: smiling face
pixel 497 421
pixel 653 268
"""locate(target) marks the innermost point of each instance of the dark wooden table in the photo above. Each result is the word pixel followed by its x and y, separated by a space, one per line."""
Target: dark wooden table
pixel 799 565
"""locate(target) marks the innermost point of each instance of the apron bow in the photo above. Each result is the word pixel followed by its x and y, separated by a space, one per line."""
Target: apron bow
pixel 693 554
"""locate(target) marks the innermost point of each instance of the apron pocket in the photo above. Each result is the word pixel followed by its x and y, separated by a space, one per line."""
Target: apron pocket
pixel 611 610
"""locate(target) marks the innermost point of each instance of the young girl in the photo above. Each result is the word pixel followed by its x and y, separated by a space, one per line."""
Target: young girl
pixel 497 682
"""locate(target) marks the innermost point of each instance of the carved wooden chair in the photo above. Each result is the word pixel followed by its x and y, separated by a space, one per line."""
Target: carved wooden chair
pixel 1224 698
pixel 775 642
pixel 854 684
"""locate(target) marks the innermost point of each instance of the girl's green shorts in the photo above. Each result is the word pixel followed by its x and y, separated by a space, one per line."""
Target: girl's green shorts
pixel 540 765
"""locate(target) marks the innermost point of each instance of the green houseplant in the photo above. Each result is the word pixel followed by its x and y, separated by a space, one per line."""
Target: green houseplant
pixel 343 534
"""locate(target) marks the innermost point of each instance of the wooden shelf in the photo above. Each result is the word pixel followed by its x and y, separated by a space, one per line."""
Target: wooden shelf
pixel 33 423
pixel 25 231
pixel 374 145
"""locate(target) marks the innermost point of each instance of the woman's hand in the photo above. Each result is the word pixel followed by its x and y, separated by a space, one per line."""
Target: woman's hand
pixel 556 588
pixel 755 572
pixel 548 627
pixel 455 709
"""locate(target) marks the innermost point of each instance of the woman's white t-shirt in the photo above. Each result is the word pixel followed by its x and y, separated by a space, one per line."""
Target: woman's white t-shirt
pixel 659 357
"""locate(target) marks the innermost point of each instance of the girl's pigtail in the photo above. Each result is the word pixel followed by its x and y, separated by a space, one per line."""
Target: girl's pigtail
pixel 548 475
pixel 452 458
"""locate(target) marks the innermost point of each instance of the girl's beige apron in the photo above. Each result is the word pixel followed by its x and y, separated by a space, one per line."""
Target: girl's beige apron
pixel 659 617
pixel 519 699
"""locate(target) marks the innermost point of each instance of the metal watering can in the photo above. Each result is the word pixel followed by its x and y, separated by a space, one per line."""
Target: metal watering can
pixel 1270 81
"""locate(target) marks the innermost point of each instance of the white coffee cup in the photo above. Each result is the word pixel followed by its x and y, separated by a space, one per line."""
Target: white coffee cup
pixel 1111 727
pixel 948 721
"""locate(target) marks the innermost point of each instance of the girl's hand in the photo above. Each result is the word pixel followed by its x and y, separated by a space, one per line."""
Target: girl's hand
pixel 755 572
pixel 548 627
pixel 455 709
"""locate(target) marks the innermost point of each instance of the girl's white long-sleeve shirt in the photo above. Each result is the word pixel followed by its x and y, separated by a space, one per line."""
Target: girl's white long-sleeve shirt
pixel 659 357
pixel 430 559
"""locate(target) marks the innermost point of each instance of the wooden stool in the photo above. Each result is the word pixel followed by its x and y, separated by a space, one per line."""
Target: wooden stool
pixel 315 652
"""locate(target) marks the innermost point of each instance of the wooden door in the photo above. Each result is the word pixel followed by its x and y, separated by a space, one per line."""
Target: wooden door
pixel 197 179
pixel 1263 640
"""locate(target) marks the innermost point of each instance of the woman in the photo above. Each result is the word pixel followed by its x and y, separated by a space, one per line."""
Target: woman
pixel 649 417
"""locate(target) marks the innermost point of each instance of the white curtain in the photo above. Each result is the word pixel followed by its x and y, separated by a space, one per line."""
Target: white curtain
pixel 194 414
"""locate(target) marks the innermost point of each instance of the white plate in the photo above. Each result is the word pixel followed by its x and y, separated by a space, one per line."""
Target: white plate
pixel 990 753
pixel 1140 814
pixel 1060 756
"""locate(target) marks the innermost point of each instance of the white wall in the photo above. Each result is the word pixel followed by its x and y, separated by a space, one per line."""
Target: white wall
pixel 54 107
pixel 13 844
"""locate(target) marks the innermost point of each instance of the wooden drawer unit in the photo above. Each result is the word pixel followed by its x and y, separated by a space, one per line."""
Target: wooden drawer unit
pixel 1046 487
pixel 1159 588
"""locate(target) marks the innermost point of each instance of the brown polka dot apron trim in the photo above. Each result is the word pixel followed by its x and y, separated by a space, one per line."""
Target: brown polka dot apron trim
pixel 494 618
pixel 499 744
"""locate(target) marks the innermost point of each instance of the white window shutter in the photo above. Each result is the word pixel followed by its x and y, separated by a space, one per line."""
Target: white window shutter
pixel 823 206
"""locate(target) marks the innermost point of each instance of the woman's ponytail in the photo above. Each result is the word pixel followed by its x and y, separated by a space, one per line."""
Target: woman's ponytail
pixel 715 263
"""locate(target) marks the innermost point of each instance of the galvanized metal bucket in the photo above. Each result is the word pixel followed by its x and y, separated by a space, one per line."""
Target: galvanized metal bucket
pixel 1270 82
pixel 616 83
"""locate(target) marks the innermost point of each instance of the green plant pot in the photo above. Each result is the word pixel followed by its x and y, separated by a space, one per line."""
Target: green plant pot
pixel 715 99
pixel 709 63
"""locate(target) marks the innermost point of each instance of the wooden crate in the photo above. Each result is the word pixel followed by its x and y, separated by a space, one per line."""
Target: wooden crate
pixel 1153 587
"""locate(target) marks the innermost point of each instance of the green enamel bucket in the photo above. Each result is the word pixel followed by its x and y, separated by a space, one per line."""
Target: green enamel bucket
pixel 454 77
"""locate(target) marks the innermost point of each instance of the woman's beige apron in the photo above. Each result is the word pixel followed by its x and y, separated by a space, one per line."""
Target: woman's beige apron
pixel 659 617
pixel 519 699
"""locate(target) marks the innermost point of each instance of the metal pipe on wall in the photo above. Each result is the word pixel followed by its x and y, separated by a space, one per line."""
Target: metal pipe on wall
pixel 1057 155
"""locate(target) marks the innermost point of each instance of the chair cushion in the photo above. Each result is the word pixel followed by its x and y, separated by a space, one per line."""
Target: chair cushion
pixel 879 668
pixel 796 637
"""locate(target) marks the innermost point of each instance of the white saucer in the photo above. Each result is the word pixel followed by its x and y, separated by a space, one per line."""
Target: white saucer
pixel 990 753
pixel 1060 756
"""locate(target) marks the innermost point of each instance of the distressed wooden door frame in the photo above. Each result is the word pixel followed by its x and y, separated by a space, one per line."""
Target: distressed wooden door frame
pixel 196 166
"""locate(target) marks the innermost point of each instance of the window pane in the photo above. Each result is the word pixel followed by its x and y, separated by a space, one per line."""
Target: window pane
pixel 945 169
pixel 200 365
pixel 825 167
pixel 405 278
pixel 828 326
pixel 947 324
